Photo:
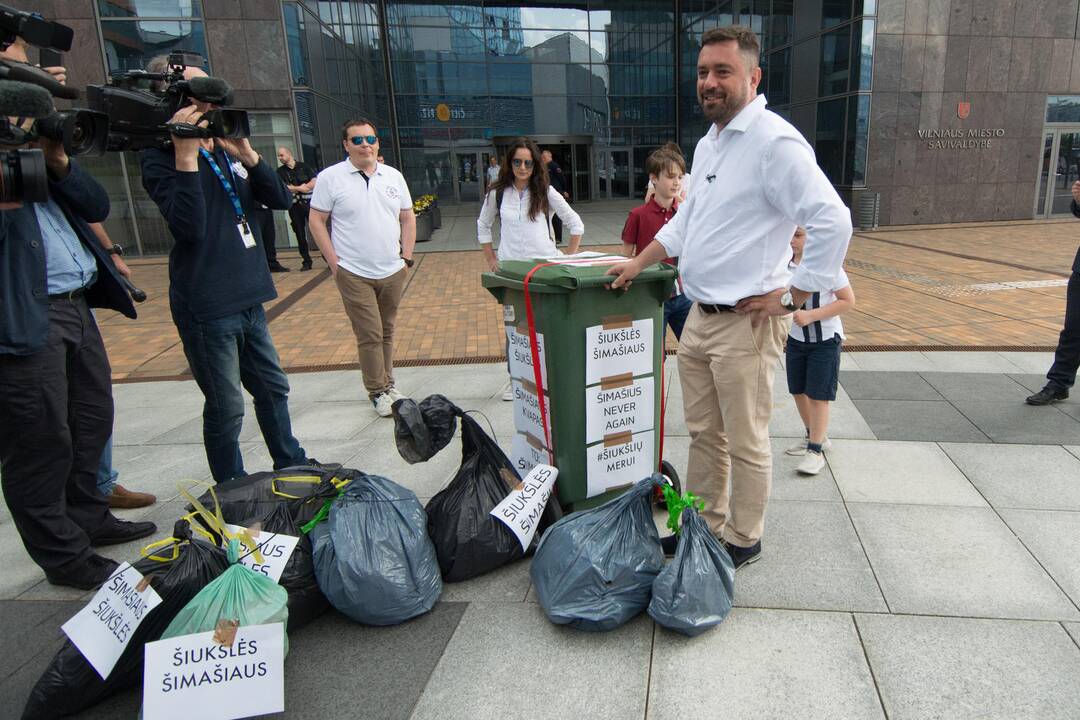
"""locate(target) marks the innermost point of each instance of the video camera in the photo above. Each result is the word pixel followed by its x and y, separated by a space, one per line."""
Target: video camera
pixel 140 104
pixel 34 29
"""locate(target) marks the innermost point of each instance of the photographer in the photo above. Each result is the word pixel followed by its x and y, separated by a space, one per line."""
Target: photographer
pixel 55 388
pixel 218 280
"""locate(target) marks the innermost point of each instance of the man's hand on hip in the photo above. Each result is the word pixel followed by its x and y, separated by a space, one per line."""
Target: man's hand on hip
pixel 761 307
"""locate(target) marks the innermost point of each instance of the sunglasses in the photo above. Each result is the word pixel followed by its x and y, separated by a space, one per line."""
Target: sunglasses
pixel 518 162
pixel 361 139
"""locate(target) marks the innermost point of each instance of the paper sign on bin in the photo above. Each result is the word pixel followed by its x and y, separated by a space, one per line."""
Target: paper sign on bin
pixel 102 630
pixel 527 410
pixel 617 346
pixel 526 452
pixel 619 460
pixel 618 406
pixel 521 363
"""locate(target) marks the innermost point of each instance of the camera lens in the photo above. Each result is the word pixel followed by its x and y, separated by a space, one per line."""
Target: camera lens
pixel 22 176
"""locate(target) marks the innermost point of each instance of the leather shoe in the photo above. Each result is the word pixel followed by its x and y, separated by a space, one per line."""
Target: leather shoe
pixel 743 555
pixel 1047 395
pixel 669 545
pixel 116 532
pixel 125 499
pixel 88 575
pixel 278 268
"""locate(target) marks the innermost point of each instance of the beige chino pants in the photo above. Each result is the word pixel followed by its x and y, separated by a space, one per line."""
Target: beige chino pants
pixel 372 307
pixel 726 368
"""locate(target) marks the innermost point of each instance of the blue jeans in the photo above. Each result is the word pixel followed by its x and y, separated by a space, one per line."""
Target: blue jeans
pixel 225 353
pixel 106 476
pixel 676 308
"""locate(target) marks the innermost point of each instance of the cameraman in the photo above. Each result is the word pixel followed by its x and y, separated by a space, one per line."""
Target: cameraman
pixel 218 280
pixel 55 387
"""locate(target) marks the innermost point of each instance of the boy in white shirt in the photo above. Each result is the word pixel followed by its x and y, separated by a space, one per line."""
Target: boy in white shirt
pixel 812 359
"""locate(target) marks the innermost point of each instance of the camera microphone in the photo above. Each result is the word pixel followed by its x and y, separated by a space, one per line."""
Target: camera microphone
pixel 19 99
pixel 211 90
pixel 21 72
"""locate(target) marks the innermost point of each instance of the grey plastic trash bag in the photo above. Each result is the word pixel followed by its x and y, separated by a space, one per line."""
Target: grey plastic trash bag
pixel 373 558
pixel 421 430
pixel 594 570
pixel 697 588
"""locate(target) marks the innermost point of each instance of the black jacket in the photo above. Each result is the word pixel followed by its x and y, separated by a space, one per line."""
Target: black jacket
pixel 211 273
pixel 24 298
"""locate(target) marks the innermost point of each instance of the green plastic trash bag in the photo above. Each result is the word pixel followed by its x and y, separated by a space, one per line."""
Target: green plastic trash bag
pixel 697 588
pixel 239 594
pixel 594 570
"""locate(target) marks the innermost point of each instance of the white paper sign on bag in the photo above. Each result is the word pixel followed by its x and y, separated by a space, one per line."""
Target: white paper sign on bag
pixel 522 508
pixel 521 364
pixel 508 313
pixel 526 452
pixel 527 410
pixel 191 676
pixel 624 407
pixel 618 348
pixel 103 629
pixel 619 462
pixel 275 548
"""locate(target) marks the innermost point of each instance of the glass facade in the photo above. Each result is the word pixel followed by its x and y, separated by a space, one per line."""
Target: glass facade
pixel 600 82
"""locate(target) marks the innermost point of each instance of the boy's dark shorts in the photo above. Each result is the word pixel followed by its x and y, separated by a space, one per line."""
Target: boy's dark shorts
pixel 813 369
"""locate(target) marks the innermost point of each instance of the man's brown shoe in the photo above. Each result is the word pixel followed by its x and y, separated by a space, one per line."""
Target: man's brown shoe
pixel 125 499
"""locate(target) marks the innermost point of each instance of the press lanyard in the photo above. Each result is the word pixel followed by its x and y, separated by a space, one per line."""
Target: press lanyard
pixel 225 183
pixel 241 219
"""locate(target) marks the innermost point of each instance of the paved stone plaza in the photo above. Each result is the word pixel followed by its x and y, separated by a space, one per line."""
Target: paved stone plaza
pixel 929 572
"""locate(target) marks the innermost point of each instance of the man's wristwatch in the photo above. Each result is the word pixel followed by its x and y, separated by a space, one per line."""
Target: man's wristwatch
pixel 116 250
pixel 788 302
pixel 409 262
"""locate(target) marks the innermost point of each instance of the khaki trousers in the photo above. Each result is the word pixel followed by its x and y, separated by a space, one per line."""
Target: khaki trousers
pixel 372 308
pixel 726 368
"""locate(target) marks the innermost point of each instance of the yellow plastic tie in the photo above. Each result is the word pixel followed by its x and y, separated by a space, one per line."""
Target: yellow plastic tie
pixel 306 479
pixel 216 521
pixel 146 552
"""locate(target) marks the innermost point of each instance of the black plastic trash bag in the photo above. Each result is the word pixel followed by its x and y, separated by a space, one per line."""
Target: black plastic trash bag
pixel 373 558
pixel 306 601
pixel 697 588
pixel 70 684
pixel 422 430
pixel 468 540
pixel 594 570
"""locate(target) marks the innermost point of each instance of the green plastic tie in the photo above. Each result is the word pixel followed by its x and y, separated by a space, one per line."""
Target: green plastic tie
pixel 677 503
pixel 323 513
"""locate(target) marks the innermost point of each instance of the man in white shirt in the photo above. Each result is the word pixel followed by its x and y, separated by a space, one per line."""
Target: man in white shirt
pixel 755 181
pixel 374 232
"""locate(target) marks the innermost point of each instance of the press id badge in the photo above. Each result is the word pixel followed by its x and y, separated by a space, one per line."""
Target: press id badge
pixel 245 233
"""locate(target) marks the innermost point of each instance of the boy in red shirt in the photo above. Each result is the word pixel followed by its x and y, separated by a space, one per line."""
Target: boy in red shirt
pixel 666 169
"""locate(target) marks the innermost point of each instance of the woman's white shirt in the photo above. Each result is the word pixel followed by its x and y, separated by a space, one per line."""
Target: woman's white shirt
pixel 519 237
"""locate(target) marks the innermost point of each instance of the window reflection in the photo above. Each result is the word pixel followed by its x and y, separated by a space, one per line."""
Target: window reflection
pixel 829 138
pixel 834 12
pixel 131 45
pixel 835 61
pixel 149 8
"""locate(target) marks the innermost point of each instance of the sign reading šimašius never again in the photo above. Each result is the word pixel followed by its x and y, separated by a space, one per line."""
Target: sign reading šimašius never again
pixel 960 138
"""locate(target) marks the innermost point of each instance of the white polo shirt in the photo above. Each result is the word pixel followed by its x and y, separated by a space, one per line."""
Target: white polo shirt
pixel 754 182
pixel 365 213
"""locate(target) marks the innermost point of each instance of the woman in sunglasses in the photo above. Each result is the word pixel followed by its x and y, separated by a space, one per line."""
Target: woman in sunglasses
pixel 525 201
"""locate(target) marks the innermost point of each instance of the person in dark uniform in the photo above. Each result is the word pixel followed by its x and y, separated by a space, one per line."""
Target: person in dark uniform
pixel 1062 373
pixel 263 217
pixel 557 181
pixel 299 178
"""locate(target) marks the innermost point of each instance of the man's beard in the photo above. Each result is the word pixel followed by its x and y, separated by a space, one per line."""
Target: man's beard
pixel 727 108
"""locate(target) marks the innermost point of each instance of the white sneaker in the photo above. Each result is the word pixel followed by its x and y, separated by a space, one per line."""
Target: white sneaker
pixel 508 393
pixel 383 405
pixel 812 463
pixel 395 394
pixel 799 448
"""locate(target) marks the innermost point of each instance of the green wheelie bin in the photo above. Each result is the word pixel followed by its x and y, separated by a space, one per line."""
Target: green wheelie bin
pixel 601 354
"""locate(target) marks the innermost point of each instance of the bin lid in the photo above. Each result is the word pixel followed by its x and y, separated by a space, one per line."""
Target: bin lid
pixel 569 275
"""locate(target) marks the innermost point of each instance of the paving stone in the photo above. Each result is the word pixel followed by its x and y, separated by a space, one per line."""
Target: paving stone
pixel 599 675
pixel 961 386
pixel 981 362
pixel 899 472
pixel 1031 362
pixel 157 394
pixel 934 560
pixel 20 573
pixel 509 583
pixel 191 432
pixel 139 425
pixel 958 668
pixel 425 479
pixel 764 664
pixel 845 421
pixel 1017 422
pixel 882 385
pixel 1020 476
pixel 26 626
pixel 158 469
pixel 15 688
pixel 1074 631
pixel 1074 449
pixel 464 385
pixel 895 361
pixel 918 420
pixel 811 559
pixel 1053 537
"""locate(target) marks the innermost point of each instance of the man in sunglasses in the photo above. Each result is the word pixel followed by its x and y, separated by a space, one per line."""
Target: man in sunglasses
pixel 372 243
